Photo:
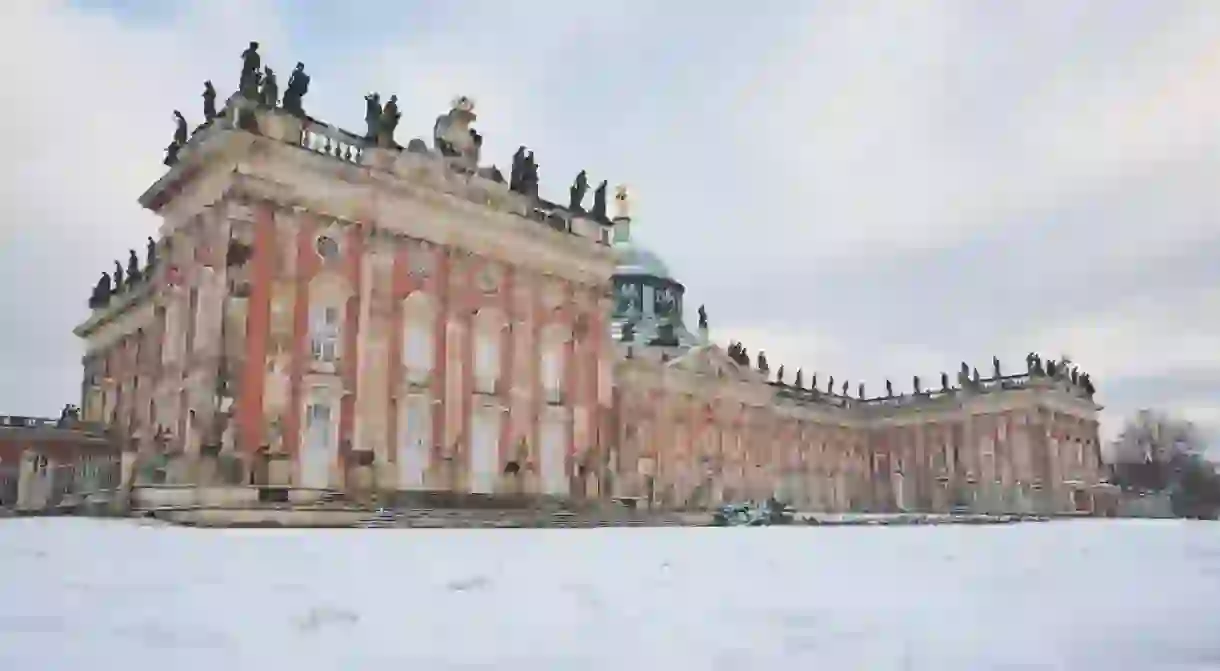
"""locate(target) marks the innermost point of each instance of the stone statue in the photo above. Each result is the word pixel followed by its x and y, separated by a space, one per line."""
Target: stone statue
pixel 372 115
pixel 101 292
pixel 209 101
pixel 995 365
pixel 762 363
pixel 518 170
pixel 915 382
pixel 133 267
pixel 298 86
pixel 845 383
pixel 703 319
pixel 1051 369
pixel 1075 376
pixel 889 389
pixel 118 277
pixel 251 64
pixel 529 176
pixel 453 136
pixel 779 374
pixel 151 254
pixel 270 93
pixel 576 192
pixel 860 391
pixel 388 123
pixel 944 381
pixel 180 133
pixel 813 382
pixel 171 154
pixel 830 386
pixel 799 381
pixel 1087 383
pixel 599 202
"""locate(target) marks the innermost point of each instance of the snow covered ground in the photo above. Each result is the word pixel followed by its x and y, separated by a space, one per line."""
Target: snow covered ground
pixel 1081 595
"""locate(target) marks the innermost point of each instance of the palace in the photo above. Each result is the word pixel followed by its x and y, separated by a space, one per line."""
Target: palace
pixel 326 310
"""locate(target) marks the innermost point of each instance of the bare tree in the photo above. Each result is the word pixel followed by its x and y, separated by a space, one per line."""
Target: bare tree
pixel 1159 453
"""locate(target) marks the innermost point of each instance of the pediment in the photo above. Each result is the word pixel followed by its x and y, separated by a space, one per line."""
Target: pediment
pixel 713 361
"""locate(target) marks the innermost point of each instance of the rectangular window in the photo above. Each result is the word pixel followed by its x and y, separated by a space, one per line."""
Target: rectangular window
pixel 324 334
pixel 418 354
pixel 487 362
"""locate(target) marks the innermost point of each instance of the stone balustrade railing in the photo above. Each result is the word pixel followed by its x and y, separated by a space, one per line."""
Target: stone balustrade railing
pixel 332 141
pixel 983 386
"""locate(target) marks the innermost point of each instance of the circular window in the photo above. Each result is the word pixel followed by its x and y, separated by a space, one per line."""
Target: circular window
pixel 327 248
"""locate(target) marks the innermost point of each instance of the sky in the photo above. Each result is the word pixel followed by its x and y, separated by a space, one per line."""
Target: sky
pixel 865 189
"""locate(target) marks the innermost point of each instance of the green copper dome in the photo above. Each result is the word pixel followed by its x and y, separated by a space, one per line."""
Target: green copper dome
pixel 636 260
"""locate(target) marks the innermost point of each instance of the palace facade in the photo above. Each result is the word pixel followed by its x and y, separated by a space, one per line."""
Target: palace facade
pixel 327 310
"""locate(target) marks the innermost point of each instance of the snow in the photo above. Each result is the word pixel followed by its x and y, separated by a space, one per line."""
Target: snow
pixel 1059 595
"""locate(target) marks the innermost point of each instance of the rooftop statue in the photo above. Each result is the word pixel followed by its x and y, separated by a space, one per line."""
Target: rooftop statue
pixel 151 254
pixel 171 154
pixel 798 382
pixel 830 385
pixel 576 192
pixel 180 132
pixel 915 383
pixel 779 374
pixel 845 384
pixel 269 96
pixel 251 65
pixel 703 320
pixel 860 391
pixel 298 86
pixel 209 101
pixel 118 277
pixel 889 389
pixel 101 292
pixel 372 115
pixel 133 267
pixel 525 172
pixel 995 364
pixel 516 172
pixel 944 381
pixel 388 123
pixel 599 202
pixel 453 135
pixel 762 363
pixel 813 382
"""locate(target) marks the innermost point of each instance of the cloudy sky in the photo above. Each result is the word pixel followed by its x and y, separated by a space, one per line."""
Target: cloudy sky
pixel 866 189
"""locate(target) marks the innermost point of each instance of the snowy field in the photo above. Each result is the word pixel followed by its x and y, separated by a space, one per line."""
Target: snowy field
pixel 1085 595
